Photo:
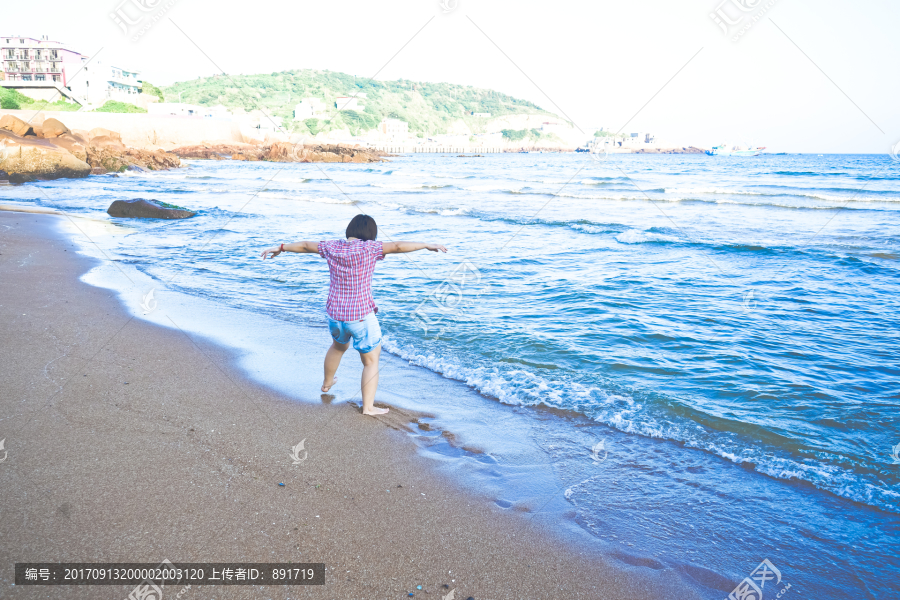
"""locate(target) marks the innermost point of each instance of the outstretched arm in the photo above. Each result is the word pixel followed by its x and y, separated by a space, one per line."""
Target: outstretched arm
pixel 401 247
pixel 301 247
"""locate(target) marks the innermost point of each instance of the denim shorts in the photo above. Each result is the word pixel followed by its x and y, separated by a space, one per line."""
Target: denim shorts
pixel 366 333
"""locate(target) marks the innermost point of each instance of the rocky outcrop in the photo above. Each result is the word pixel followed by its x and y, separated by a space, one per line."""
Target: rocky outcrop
pixel 283 152
pixel 99 131
pixel 115 158
pixel 52 150
pixel 139 208
pixel 16 125
pixel 72 142
pixel 31 158
pixel 52 128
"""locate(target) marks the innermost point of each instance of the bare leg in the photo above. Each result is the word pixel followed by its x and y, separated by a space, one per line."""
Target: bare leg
pixel 332 361
pixel 370 382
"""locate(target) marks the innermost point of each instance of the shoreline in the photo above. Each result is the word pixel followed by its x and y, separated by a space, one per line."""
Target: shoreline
pixel 85 457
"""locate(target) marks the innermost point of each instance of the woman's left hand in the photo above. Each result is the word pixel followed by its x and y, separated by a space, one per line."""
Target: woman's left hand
pixel 273 251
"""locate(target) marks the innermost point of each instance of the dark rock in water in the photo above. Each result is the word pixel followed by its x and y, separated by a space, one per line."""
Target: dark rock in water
pixel 4 176
pixel 139 208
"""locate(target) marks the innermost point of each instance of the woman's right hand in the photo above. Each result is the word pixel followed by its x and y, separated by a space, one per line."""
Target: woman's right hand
pixel 273 251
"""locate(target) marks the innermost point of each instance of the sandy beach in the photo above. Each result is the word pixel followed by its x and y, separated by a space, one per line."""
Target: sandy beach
pixel 129 442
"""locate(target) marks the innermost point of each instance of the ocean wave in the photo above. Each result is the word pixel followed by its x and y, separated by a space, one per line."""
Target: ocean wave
pixel 645 417
pixel 446 211
pixel 636 236
pixel 589 228
pixel 802 173
pixel 319 200
pixel 789 191
pixel 493 188
pixel 408 188
pixel 597 197
pixel 713 190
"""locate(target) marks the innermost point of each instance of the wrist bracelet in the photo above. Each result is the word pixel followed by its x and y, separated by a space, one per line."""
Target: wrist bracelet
pixel 282 248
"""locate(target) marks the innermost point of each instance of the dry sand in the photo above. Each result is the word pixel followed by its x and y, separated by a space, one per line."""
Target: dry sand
pixel 129 442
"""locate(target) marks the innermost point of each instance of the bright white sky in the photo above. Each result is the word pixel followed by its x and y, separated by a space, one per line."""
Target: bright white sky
pixel 597 61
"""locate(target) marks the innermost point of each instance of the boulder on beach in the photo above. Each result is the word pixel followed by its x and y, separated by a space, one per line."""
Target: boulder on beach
pixel 66 153
pixel 53 128
pixel 33 158
pixel 73 143
pixel 140 208
pixel 16 125
pixel 99 131
pixel 105 141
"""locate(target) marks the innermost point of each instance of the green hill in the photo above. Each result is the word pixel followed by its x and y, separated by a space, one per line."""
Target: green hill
pixel 427 107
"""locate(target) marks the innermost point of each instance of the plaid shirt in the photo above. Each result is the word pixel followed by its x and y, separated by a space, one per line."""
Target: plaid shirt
pixel 351 265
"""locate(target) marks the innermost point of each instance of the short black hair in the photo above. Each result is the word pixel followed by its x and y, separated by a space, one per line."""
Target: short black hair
pixel 362 227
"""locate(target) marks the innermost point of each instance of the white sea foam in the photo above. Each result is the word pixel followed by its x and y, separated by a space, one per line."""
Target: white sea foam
pixel 850 197
pixel 492 188
pixel 407 188
pixel 297 197
pixel 711 190
pixel 636 236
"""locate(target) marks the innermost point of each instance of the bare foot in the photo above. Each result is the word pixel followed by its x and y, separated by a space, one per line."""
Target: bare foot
pixel 375 411
pixel 326 387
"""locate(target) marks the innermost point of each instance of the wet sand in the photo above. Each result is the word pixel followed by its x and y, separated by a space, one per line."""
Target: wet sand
pixel 129 442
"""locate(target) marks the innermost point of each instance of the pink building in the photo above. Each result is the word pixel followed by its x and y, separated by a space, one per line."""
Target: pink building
pixel 33 60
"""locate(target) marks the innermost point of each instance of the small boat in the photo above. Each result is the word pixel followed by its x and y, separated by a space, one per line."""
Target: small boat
pixel 729 150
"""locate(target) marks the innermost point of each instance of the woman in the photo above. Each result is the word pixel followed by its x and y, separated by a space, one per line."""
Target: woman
pixel 351 308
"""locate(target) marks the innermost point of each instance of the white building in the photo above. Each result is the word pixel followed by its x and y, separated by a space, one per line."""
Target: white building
pixel 394 128
pixel 639 138
pixel 99 81
pixel 348 103
pixel 309 108
pixel 258 123
pixel 480 115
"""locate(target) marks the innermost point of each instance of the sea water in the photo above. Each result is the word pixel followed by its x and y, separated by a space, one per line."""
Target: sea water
pixel 688 361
